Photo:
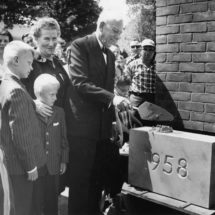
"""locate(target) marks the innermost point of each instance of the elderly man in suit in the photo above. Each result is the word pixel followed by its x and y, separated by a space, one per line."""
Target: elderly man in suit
pixel 20 133
pixel 91 103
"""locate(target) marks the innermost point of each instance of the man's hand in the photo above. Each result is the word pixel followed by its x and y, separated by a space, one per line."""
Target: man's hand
pixel 62 168
pixel 43 109
pixel 33 175
pixel 121 103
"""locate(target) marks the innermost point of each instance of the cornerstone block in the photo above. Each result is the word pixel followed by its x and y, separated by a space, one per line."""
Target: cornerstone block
pixel 180 164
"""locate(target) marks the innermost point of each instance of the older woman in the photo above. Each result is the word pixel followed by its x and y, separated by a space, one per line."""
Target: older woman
pixel 46 32
pixel 5 38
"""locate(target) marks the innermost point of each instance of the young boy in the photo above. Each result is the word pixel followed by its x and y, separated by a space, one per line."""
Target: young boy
pixel 122 86
pixel 125 120
pixel 53 131
pixel 20 132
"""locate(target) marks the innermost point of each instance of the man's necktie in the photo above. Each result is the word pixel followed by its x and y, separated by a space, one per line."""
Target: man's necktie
pixel 104 50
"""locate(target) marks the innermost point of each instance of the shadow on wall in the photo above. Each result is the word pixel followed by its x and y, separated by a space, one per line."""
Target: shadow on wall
pixel 164 100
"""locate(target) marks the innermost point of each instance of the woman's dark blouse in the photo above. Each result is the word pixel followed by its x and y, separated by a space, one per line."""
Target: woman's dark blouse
pixel 43 65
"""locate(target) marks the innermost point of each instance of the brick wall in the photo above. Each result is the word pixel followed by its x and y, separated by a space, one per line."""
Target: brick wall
pixel 185 62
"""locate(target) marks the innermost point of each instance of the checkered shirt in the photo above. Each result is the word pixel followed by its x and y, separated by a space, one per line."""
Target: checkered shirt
pixel 143 77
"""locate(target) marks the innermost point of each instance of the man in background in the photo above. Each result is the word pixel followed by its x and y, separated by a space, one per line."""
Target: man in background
pixel 142 74
pixel 27 38
pixel 135 49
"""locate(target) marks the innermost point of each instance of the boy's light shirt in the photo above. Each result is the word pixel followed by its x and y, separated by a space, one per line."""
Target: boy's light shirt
pixel 35 168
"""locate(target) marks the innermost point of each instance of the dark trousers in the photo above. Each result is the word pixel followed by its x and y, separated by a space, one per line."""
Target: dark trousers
pixel 37 197
pixel 50 184
pixel 87 163
pixel 27 195
pixel 22 189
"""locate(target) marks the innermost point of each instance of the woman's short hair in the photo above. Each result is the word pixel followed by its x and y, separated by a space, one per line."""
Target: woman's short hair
pixel 44 23
pixel 7 33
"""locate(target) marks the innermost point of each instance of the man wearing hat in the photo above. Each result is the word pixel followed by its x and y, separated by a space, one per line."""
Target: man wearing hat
pixel 142 74
pixel 135 48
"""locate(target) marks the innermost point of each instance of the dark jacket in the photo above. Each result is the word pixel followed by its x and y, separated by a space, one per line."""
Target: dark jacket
pixel 55 141
pixel 20 133
pixel 90 97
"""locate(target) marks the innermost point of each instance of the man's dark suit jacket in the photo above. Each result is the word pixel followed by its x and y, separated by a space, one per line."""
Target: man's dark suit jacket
pixel 20 135
pixel 91 112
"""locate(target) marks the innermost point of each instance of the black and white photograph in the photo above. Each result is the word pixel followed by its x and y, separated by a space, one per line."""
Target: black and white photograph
pixel 107 107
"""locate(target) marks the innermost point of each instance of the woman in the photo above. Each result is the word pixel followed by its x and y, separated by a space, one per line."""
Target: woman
pixel 46 32
pixel 5 38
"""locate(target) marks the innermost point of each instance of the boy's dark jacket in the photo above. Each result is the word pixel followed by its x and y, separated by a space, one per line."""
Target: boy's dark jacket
pixel 53 131
pixel 20 135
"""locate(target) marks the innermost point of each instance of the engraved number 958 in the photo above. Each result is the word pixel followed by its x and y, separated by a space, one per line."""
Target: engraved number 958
pixel 168 168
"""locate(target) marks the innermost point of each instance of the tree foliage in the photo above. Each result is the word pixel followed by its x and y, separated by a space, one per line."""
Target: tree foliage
pixel 141 23
pixel 76 17
pixel 143 12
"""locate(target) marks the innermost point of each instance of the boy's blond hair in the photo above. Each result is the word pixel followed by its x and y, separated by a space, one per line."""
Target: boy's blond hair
pixel 15 48
pixel 43 82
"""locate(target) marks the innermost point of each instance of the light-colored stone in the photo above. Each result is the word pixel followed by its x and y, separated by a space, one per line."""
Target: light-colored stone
pixel 179 164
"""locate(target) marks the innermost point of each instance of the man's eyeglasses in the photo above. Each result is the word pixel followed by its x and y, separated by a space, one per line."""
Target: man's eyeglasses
pixel 137 47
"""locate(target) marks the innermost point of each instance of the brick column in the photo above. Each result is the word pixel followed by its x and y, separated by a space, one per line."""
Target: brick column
pixel 185 61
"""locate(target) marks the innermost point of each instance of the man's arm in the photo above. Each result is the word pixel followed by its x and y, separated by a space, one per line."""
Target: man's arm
pixel 79 72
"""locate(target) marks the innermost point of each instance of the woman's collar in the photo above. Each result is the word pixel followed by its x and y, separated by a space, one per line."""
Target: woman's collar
pixel 40 58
